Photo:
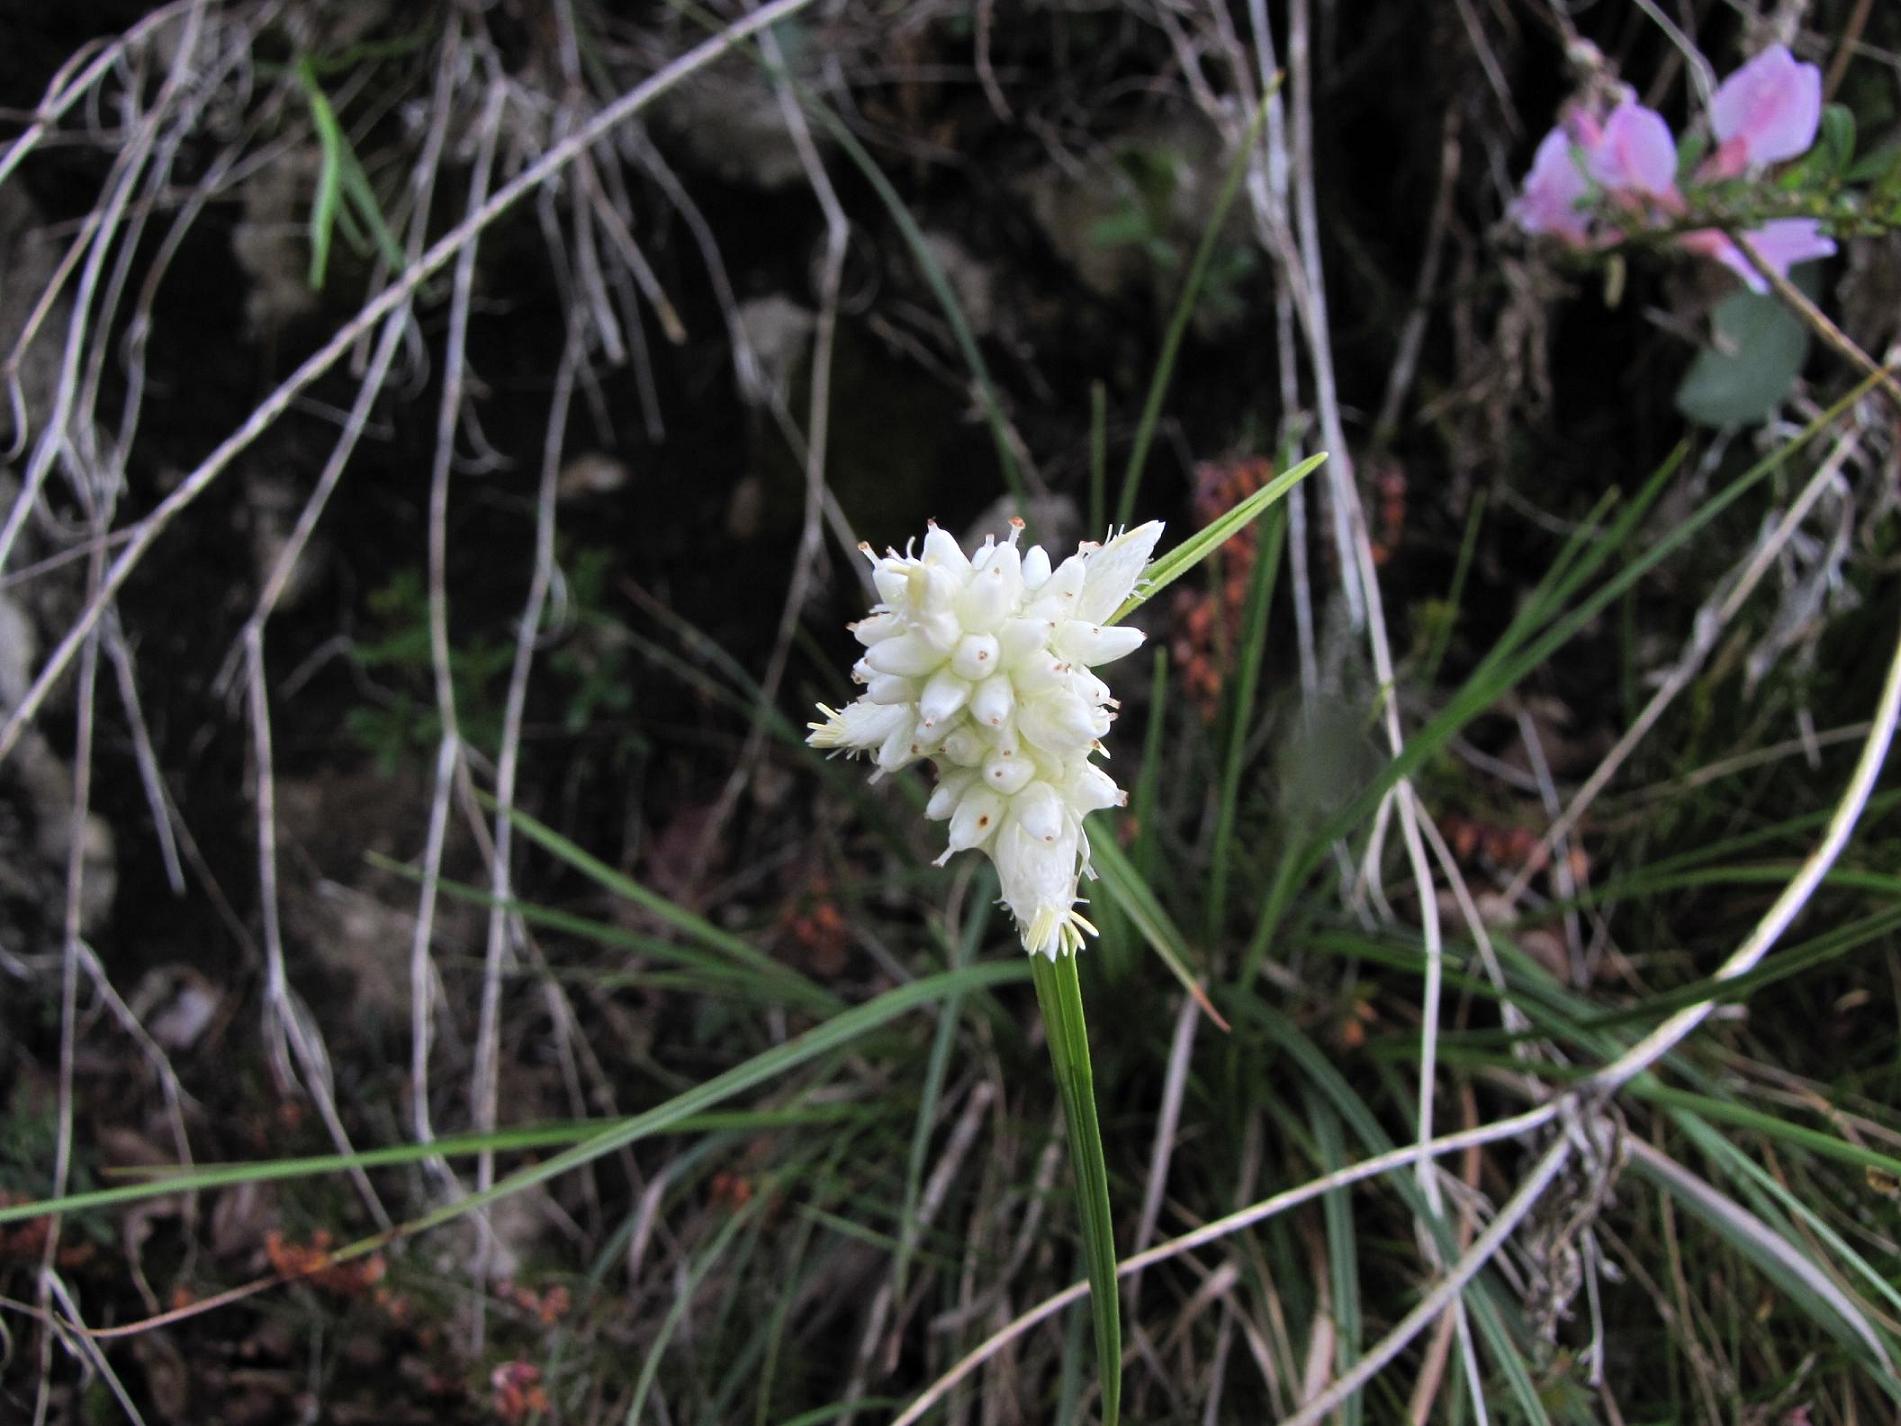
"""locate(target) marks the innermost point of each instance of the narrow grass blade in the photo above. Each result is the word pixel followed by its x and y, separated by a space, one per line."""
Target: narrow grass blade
pixel 936 1069
pixel 324 204
pixel 1519 653
pixel 1134 898
pixel 683 1299
pixel 1198 546
pixel 1146 802
pixel 1343 1254
pixel 822 1039
pixel 1816 1295
pixel 1247 662
pixel 164 1180
pixel 1183 313
pixel 795 985
pixel 1060 994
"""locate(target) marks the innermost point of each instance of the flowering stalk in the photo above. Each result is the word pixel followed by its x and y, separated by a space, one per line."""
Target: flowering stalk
pixel 982 664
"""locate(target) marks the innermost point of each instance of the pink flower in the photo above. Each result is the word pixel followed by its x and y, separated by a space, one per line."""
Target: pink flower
pixel 1635 155
pixel 1780 243
pixel 1765 112
pixel 1553 190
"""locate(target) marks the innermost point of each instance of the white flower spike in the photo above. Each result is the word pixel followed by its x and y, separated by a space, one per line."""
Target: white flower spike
pixel 981 663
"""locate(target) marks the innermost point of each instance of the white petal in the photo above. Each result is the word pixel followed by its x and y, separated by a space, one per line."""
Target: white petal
pixel 890 688
pixel 963 747
pixel 1061 722
pixel 992 701
pixel 1008 775
pixel 1040 811
pixel 1114 569
pixel 1087 643
pixel 860 725
pixel 943 698
pixel 909 656
pixel 941 548
pixel 1036 567
pixel 976 656
pixel 978 814
pixel 993 592
pixel 951 787
pixel 876 628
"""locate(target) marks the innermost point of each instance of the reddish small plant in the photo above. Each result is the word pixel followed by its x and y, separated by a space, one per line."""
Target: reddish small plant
pixel 316 1263
pixel 1208 622
pixel 518 1392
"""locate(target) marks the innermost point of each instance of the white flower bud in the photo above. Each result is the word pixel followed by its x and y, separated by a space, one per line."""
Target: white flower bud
pixel 944 797
pixel 992 701
pixel 1039 811
pixel 941 548
pixel 943 698
pixel 1087 788
pixel 1057 598
pixel 1036 568
pixel 876 628
pixel 889 577
pixel 978 813
pixel 1008 775
pixel 901 747
pixel 932 587
pixel 1059 722
pixel 1021 639
pixel 994 591
pixel 976 656
pixel 963 748
pixel 861 725
pixel 1093 644
pixel 1041 673
pixel 1086 686
pixel 909 655
pixel 889 688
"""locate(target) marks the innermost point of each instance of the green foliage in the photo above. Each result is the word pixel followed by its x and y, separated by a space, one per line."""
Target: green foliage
pixel 589 670
pixel 344 201
pixel 395 657
pixel 1742 378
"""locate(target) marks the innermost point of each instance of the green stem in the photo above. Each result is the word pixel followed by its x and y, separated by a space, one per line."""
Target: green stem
pixel 1060 994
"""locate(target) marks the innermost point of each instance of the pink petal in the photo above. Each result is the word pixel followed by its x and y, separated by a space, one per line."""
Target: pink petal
pixel 1771 107
pixel 1780 243
pixel 1635 154
pixel 1553 189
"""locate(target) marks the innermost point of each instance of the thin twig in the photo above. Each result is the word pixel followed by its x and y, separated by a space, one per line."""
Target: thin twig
pixel 1446 1291
pixel 1787 906
pixel 200 478
pixel 1708 626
